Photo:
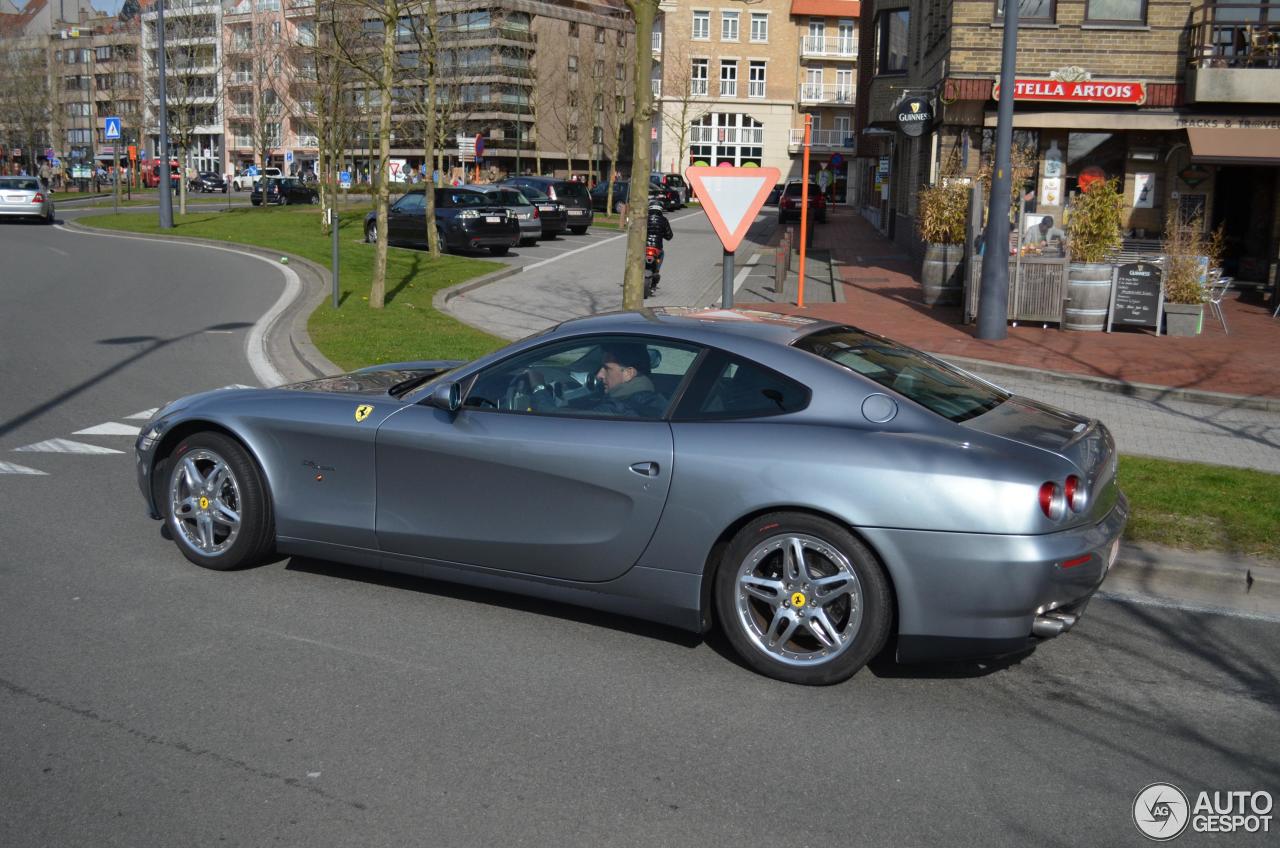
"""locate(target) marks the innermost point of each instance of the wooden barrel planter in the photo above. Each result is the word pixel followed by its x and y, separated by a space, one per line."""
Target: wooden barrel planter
pixel 1088 296
pixel 941 275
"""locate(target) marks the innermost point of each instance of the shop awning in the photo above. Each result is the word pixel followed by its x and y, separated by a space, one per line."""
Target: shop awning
pixel 1234 146
pixel 832 8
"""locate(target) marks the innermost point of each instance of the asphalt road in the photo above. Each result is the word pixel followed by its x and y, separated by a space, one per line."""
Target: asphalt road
pixel 146 702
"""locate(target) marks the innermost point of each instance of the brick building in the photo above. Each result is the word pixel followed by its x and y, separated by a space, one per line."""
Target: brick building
pixel 1180 103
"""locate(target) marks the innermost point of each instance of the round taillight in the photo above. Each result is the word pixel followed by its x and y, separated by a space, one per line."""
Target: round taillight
pixel 1075 494
pixel 1052 503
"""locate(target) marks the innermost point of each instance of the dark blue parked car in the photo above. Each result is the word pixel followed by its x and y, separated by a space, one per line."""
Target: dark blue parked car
pixel 465 220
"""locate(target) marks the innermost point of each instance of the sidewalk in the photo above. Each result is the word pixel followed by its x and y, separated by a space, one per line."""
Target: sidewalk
pixel 881 294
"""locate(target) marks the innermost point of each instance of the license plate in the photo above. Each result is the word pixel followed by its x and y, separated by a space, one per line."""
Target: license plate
pixel 492 219
pixel 546 209
pixel 15 198
pixel 576 212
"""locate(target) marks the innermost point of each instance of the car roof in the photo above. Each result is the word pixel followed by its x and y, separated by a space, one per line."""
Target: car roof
pixel 700 323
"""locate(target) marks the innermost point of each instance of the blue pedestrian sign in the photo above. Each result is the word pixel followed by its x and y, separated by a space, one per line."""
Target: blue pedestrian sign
pixel 111 129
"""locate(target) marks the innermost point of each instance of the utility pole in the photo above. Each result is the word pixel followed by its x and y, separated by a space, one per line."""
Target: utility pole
pixel 166 191
pixel 993 291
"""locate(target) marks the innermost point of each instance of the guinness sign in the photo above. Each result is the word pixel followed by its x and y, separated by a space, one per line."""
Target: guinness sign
pixel 914 115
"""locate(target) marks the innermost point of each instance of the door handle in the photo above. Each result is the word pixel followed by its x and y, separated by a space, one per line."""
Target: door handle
pixel 645 469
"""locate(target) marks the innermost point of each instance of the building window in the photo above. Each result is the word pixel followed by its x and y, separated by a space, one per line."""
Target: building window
pixel 755 79
pixel 728 26
pixel 573 64
pixel 599 69
pixel 891 41
pixel 620 71
pixel 728 78
pixel 1032 11
pixel 759 27
pixel 1125 11
pixel 573 29
pixel 620 103
pixel 103 54
pixel 622 38
pixel 599 35
pixel 699 73
pixel 702 26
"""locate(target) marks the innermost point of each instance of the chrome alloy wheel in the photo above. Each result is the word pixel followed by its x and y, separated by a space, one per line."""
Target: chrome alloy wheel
pixel 799 600
pixel 204 502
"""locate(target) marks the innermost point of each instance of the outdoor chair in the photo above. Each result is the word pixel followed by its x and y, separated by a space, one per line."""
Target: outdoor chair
pixel 1215 290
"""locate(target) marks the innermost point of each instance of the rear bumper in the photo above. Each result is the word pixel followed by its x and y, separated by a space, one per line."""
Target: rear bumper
pixel 26 211
pixel 971 594
pixel 583 220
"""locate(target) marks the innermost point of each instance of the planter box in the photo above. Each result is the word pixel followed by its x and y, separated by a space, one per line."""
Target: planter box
pixel 941 276
pixel 1183 319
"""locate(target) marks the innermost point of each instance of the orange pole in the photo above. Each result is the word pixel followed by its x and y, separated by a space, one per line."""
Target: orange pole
pixel 804 209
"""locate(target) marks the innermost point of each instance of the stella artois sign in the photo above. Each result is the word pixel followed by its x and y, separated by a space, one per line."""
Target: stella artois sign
pixel 1076 85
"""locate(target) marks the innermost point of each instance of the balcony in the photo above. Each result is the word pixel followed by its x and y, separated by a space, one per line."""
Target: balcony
pixel 829 46
pixel 657 88
pixel 726 135
pixel 822 139
pixel 826 93
pixel 302 8
pixel 657 43
pixel 1234 54
pixel 241 78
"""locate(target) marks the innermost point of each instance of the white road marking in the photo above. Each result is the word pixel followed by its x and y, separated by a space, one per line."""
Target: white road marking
pixel 110 428
pixel 65 446
pixel 144 415
pixel 14 468
pixel 255 344
pixel 593 244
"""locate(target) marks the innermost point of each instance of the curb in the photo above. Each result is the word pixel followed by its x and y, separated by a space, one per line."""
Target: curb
pixel 287 343
pixel 1207 578
pixel 440 301
pixel 1141 391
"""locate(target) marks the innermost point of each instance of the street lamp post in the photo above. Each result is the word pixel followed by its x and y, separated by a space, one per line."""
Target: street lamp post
pixel 166 191
pixel 993 305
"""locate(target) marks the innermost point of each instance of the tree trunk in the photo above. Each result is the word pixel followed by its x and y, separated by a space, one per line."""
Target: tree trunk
pixel 378 286
pixel 644 11
pixel 429 133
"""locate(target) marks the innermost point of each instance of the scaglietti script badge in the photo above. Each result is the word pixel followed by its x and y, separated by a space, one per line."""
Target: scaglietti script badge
pixel 914 115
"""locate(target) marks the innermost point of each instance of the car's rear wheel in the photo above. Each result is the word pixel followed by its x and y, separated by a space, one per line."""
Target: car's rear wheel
pixel 215 504
pixel 499 249
pixel 801 599
pixel 578 231
pixel 315 200
pixel 371 233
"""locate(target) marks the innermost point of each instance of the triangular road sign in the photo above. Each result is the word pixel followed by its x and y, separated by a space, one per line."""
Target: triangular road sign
pixel 731 197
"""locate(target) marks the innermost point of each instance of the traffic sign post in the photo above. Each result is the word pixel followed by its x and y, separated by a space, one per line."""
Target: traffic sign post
pixel 111 132
pixel 479 153
pixel 731 197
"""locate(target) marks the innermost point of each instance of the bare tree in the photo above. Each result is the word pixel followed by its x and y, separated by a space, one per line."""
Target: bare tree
pixel 681 105
pixel 559 108
pixel 256 81
pixel 26 98
pixel 335 113
pixel 370 52
pixel 644 12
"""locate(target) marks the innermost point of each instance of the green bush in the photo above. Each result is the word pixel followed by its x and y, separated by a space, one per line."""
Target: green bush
pixel 1093 230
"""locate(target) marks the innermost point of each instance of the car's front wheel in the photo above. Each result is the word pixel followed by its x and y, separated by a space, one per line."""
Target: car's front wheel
pixel 216 504
pixel 801 599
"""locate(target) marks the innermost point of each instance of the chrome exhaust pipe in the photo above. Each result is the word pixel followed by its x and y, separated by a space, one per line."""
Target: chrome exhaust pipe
pixel 1052 624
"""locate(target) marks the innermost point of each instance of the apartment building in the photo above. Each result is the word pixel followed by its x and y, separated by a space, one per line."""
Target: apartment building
pixel 117 85
pixel 1179 102
pixel 193 75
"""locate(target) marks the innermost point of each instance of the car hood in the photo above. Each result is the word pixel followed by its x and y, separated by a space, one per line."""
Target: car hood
pixel 376 381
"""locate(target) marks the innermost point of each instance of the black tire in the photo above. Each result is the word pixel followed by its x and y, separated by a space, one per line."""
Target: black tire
pixel 578 231
pixel 734 609
pixel 528 242
pixel 315 200
pixel 255 535
pixel 371 233
pixel 499 249
pixel 618 207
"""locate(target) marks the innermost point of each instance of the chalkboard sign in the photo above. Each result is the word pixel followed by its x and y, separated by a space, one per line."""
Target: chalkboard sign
pixel 1137 296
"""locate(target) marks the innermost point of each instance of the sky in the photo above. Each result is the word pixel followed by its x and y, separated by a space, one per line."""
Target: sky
pixel 111 6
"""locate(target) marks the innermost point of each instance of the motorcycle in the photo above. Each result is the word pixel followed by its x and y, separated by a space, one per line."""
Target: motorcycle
pixel 652 267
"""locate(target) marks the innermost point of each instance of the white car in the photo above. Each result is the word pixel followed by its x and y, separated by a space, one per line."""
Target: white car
pixel 25 197
pixel 246 182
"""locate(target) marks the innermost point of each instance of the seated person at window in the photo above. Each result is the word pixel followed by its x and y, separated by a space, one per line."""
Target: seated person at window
pixel 1043 232
pixel 628 390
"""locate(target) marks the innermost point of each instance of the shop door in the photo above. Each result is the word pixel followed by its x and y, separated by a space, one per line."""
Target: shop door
pixel 1243 202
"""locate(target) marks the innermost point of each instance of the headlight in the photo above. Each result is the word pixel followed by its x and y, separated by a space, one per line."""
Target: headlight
pixel 148 439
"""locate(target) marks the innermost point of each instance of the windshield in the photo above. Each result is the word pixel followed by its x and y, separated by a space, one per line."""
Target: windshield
pixel 534 195
pixel 458 198
pixel 929 382
pixel 23 184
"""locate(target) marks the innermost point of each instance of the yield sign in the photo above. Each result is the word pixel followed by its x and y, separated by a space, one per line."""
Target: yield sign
pixel 731 197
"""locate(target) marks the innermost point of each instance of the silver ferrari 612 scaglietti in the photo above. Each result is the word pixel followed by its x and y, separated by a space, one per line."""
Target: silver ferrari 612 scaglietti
pixel 812 489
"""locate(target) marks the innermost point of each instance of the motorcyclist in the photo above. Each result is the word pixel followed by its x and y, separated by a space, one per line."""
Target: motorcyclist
pixel 658 230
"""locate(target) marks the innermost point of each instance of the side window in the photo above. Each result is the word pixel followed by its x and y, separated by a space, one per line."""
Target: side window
pixel 410 204
pixel 730 387
pixel 594 377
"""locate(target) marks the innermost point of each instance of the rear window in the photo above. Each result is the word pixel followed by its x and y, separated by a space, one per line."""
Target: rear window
pixel 534 194
pixel 21 185
pixel 793 189
pixel 674 180
pixel 931 383
pixel 577 191
pixel 510 197
pixel 455 198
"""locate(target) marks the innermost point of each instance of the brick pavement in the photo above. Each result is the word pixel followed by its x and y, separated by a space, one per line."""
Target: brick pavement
pixel 882 295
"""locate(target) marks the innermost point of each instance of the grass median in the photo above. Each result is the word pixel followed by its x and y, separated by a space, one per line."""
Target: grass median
pixel 353 335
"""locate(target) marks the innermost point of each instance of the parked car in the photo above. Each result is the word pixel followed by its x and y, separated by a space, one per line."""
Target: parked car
pixel 248 178
pixel 208 181
pixel 675 181
pixel 283 191
pixel 789 203
pixel 621 196
pixel 775 194
pixel 517 204
pixel 25 197
pixel 574 196
pixel 551 213
pixel 807 487
pixel 465 220
pixel 670 194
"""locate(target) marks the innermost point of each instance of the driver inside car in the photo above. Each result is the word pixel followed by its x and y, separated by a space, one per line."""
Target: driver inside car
pixel 623 386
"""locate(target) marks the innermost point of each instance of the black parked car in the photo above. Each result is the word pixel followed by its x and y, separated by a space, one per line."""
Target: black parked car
pixel 282 190
pixel 669 193
pixel 552 213
pixel 465 220
pixel 621 193
pixel 574 196
pixel 208 181
pixel 674 181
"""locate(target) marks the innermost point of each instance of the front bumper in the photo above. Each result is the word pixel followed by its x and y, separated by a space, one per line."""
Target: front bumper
pixel 973 594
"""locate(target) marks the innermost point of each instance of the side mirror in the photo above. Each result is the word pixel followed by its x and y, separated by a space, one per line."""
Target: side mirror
pixel 446 396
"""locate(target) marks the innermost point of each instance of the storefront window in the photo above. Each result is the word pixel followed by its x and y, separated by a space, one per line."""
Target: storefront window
pixel 1031 11
pixel 891 42
pixel 1094 156
pixel 1128 11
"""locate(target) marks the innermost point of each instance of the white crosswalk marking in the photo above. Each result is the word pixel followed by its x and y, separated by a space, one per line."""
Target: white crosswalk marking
pixel 144 415
pixel 14 468
pixel 65 446
pixel 111 428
